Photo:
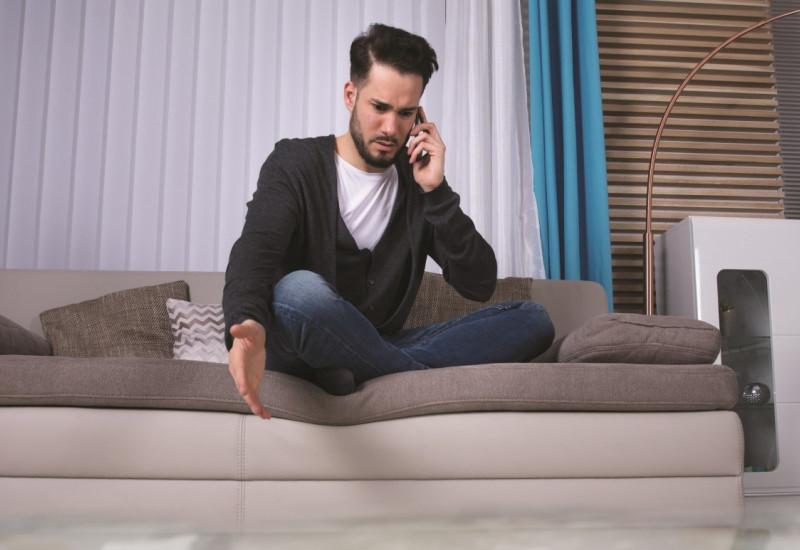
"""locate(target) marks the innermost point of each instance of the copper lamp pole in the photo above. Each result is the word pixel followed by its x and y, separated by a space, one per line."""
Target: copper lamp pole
pixel 648 234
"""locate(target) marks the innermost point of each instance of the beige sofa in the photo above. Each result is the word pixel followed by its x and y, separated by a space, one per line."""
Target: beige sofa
pixel 572 436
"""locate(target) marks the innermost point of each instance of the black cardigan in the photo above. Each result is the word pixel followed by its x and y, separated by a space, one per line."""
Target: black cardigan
pixel 292 220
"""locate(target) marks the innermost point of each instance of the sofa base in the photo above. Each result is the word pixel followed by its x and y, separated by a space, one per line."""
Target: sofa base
pixel 230 472
pixel 257 506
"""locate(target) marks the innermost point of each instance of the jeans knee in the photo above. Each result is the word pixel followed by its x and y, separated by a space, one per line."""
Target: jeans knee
pixel 302 290
pixel 538 318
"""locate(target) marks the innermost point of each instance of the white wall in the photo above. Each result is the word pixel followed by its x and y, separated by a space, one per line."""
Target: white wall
pixel 132 131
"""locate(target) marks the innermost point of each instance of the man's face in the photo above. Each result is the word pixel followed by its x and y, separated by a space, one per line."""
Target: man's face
pixel 382 113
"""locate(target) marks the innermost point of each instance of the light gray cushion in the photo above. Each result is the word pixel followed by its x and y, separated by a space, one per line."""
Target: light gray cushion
pixel 632 338
pixel 198 331
pixel 129 323
pixel 174 384
pixel 17 340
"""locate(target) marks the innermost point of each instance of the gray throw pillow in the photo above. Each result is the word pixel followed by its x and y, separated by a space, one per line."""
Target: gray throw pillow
pixel 128 323
pixel 198 331
pixel 17 340
pixel 632 338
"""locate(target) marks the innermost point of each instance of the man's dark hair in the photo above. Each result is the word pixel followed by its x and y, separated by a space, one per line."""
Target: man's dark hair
pixel 404 52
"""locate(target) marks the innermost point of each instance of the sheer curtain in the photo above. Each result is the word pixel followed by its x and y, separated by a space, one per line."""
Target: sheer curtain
pixel 132 133
pixel 485 128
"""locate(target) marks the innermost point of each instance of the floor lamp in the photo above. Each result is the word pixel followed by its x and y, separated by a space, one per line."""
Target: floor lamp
pixel 648 233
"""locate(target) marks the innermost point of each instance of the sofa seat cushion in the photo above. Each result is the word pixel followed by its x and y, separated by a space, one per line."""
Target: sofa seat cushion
pixel 191 385
pixel 632 338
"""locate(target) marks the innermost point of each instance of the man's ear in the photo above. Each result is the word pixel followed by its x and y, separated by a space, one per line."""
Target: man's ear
pixel 350 95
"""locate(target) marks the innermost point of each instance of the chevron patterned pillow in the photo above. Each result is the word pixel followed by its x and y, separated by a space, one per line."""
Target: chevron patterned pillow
pixel 198 331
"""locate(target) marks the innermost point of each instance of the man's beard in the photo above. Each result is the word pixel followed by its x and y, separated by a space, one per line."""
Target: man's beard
pixel 361 145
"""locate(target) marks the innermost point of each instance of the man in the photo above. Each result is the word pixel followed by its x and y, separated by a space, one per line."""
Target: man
pixel 336 238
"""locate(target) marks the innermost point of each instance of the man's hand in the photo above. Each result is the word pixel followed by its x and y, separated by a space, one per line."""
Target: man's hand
pixel 246 361
pixel 428 169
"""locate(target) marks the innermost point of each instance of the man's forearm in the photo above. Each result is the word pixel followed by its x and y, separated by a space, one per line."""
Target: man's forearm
pixel 467 260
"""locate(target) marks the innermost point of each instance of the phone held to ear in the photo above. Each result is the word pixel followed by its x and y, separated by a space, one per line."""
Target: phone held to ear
pixel 417 120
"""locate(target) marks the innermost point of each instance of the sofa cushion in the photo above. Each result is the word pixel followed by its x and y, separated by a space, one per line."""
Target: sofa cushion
pixel 198 331
pixel 632 338
pixel 17 340
pixel 191 385
pixel 129 323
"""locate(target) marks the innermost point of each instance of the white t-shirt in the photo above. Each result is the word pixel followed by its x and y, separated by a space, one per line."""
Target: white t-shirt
pixel 366 200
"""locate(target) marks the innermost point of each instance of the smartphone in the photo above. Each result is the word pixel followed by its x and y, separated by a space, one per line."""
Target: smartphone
pixel 417 120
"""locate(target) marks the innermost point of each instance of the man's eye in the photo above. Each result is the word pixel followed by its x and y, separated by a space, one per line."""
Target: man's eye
pixel 407 114
pixel 381 108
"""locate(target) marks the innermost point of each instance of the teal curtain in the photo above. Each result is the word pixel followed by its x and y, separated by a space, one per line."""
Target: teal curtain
pixel 569 160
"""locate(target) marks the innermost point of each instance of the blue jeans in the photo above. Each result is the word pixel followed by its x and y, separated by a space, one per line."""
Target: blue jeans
pixel 314 327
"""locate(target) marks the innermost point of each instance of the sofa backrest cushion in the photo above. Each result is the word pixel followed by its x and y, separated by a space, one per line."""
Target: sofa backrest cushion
pixel 437 301
pixel 569 303
pixel 25 293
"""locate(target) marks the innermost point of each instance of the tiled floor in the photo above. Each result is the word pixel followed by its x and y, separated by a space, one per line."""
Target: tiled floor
pixel 770 523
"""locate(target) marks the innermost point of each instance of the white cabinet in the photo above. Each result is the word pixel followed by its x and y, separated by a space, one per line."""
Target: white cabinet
pixel 753 266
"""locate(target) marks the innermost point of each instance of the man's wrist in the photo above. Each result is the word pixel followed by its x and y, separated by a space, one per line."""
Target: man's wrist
pixel 427 189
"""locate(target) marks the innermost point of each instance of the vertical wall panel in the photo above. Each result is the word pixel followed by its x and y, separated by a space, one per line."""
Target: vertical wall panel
pixel 146 197
pixel 293 69
pixel 120 143
pixel 405 16
pixel 59 145
pixel 265 97
pixel 376 10
pixel 349 22
pixel 132 131
pixel 233 173
pixel 203 218
pixel 431 26
pixel 178 154
pixel 323 84
pixel 91 134
pixel 24 205
pixel 11 16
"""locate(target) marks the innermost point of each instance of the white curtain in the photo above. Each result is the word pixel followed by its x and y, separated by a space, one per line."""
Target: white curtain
pixel 132 131
pixel 485 128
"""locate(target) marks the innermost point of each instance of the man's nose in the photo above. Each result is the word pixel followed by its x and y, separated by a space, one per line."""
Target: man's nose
pixel 389 123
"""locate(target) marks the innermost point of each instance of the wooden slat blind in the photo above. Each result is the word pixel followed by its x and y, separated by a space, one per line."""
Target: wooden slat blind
pixel 719 155
pixel 787 76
